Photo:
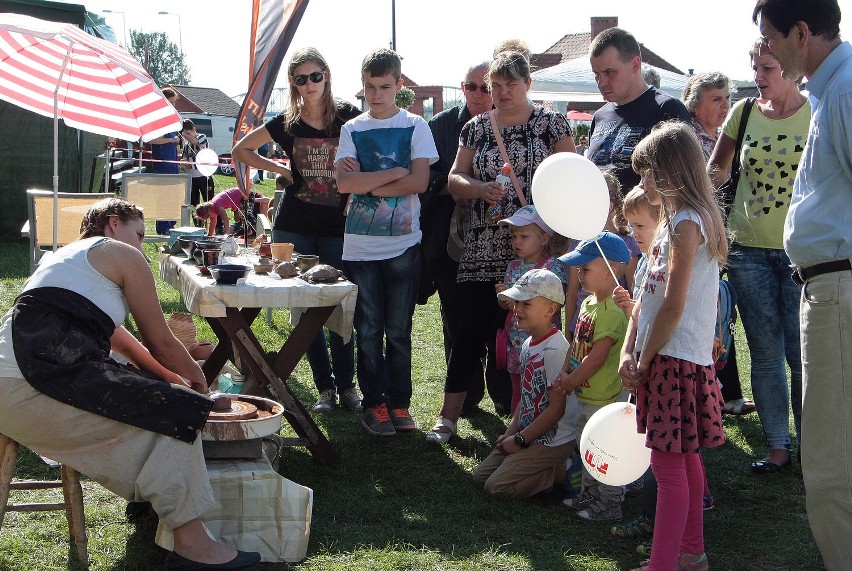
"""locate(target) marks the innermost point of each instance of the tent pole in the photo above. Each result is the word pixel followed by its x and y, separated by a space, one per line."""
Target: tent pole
pixel 56 145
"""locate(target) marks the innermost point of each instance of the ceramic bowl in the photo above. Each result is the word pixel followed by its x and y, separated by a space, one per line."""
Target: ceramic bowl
pixel 228 274
pixel 305 262
pixel 187 243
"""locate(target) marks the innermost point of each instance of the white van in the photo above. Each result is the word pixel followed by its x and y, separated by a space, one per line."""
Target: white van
pixel 220 133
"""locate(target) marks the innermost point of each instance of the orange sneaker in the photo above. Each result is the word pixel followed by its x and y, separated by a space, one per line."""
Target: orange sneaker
pixel 401 419
pixel 377 421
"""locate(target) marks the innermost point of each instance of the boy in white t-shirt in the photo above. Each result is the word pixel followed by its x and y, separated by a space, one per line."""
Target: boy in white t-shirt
pixel 533 452
pixel 383 163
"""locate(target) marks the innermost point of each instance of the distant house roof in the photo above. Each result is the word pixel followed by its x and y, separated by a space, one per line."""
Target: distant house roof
pixel 572 46
pixel 205 100
pixel 406 81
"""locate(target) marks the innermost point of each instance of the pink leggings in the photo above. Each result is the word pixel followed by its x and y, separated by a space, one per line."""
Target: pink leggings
pixel 679 523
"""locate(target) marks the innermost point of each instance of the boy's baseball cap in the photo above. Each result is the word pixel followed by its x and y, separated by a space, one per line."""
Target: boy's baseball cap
pixel 537 283
pixel 612 245
pixel 525 216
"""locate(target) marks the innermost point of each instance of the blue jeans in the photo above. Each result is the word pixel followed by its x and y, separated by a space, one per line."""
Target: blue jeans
pixel 387 292
pixel 768 303
pixel 339 372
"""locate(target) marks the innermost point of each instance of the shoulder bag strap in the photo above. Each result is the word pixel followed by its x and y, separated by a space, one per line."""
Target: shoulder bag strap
pixel 741 135
pixel 518 189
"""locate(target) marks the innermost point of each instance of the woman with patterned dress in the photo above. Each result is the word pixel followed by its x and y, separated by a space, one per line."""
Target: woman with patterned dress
pixel 530 134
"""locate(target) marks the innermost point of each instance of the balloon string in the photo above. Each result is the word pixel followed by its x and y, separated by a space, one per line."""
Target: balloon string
pixel 609 267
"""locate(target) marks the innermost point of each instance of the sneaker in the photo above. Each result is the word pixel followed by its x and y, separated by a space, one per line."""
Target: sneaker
pixel 351 399
pixel 640 527
pixel 579 502
pixel 377 421
pixel 708 502
pixel 327 401
pixel 599 511
pixel 401 419
pixel 573 477
pixel 644 548
pixel 634 488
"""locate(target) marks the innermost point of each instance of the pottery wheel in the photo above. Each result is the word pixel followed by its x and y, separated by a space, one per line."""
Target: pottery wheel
pixel 240 410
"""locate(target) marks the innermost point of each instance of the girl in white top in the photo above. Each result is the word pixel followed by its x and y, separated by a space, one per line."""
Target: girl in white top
pixel 667 354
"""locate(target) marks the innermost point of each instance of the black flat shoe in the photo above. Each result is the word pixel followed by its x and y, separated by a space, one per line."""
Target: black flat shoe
pixel 243 560
pixel 767 467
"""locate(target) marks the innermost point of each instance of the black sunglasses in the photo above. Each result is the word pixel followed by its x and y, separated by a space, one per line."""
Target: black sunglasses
pixel 315 77
pixel 473 87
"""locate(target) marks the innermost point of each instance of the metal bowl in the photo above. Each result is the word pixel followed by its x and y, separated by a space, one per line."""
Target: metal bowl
pixel 228 274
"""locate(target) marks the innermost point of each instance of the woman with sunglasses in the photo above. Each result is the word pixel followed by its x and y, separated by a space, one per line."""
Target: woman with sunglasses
pixel 530 134
pixel 311 214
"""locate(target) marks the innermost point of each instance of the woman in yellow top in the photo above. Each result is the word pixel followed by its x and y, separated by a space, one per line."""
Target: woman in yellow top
pixel 759 269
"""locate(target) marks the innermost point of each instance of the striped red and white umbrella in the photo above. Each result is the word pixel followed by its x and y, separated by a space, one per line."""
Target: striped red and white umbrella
pixel 99 87
pixel 59 71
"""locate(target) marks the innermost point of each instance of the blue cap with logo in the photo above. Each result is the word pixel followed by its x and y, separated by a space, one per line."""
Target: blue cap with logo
pixel 612 245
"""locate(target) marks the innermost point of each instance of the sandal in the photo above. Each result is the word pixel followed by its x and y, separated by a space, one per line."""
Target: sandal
pixel 692 562
pixel 643 565
pixel 442 431
pixel 739 407
pixel 638 528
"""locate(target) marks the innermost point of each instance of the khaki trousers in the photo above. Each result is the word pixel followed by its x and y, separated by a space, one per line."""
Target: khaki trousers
pixel 826 321
pixel 525 473
pixel 136 464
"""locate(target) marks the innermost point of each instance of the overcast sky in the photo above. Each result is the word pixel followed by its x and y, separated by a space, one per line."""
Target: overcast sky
pixel 438 46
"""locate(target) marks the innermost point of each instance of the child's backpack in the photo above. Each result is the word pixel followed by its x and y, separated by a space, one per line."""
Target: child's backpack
pixel 726 317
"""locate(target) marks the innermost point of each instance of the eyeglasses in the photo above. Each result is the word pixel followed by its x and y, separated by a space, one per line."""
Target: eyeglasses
pixel 315 77
pixel 470 86
pixel 765 39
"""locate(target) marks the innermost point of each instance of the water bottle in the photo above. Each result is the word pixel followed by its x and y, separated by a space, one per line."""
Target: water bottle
pixel 495 212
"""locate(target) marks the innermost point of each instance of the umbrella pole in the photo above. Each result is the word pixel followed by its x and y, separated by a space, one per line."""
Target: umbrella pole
pixel 56 146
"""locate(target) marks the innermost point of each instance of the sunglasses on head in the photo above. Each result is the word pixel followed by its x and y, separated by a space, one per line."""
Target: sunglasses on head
pixel 315 77
pixel 470 86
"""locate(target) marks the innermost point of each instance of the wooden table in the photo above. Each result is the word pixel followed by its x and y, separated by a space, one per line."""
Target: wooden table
pixel 231 309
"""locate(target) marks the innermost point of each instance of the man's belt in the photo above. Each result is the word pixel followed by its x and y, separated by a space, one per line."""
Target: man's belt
pixel 802 275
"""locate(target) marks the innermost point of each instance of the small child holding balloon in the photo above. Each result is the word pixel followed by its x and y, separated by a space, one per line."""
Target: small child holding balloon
pixel 531 455
pixel 667 358
pixel 591 369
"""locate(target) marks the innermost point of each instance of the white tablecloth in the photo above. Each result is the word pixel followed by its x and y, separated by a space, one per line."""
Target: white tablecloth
pixel 204 297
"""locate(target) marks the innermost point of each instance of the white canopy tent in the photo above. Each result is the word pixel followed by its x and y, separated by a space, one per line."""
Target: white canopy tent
pixel 573 80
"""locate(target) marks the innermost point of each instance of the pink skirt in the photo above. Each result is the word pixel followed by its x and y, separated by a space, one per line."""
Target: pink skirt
pixel 679 406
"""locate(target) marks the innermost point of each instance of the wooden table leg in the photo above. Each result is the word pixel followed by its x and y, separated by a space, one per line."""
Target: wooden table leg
pixel 237 326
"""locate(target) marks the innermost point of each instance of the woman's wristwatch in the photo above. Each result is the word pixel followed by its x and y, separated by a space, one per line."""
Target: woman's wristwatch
pixel 521 441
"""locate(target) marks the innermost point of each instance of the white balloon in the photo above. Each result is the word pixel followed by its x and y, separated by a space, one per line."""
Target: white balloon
pixel 570 195
pixel 611 449
pixel 206 162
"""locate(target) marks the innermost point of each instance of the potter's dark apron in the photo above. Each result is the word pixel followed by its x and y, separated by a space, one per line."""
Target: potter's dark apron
pixel 61 343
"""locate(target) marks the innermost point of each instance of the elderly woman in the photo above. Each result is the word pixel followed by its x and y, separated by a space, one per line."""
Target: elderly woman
pixel 136 432
pixel 759 269
pixel 530 134
pixel 707 97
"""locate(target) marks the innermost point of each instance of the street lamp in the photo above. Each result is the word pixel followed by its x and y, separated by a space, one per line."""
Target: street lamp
pixel 123 26
pixel 180 41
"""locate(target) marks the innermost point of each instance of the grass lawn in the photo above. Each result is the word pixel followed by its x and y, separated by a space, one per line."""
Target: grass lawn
pixel 398 503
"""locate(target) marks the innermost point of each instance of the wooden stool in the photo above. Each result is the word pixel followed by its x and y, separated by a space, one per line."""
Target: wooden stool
pixel 71 490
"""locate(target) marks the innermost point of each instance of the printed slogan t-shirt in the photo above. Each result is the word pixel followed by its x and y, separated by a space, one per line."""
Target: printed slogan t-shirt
pixel 312 204
pixel 383 228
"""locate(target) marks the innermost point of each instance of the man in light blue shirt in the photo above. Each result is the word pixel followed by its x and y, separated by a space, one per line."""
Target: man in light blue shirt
pixel 804 36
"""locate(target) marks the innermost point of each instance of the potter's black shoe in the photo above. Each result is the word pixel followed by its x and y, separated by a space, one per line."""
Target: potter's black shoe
pixel 243 560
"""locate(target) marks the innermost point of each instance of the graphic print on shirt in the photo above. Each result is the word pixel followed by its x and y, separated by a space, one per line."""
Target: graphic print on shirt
pixel 381 149
pixel 767 159
pixel 655 277
pixel 314 159
pixel 619 140
pixel 534 395
pixel 584 338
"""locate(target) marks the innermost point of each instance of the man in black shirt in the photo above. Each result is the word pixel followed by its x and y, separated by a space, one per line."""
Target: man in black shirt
pixel 632 107
pixel 439 269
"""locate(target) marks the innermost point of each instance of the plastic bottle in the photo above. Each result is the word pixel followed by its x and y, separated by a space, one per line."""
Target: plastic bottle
pixel 495 212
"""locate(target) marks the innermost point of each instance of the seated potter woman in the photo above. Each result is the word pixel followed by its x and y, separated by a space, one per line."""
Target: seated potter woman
pixel 134 431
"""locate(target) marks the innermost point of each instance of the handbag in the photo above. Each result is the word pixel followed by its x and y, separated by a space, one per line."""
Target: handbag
pixel 728 189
